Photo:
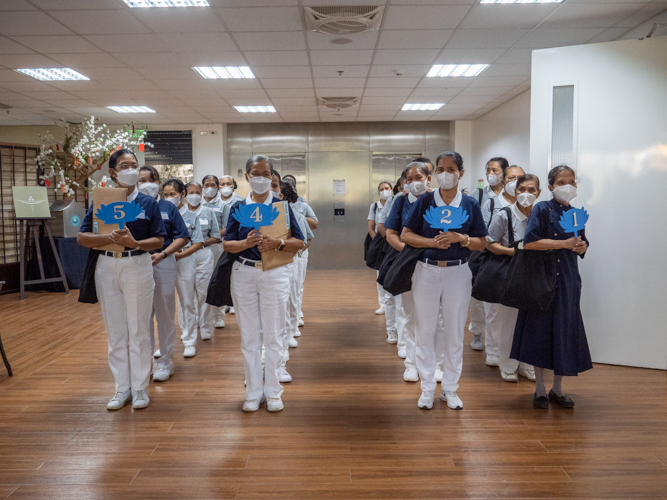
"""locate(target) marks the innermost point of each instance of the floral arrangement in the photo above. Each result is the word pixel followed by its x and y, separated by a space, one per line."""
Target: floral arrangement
pixel 83 150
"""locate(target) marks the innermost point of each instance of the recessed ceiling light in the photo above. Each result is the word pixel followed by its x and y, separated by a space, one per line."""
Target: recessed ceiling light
pixel 216 72
pixel 255 109
pixel 145 4
pixel 457 69
pixel 50 74
pixel 521 1
pixel 423 106
pixel 131 109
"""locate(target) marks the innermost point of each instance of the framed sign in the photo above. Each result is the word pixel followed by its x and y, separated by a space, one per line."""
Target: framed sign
pixel 31 202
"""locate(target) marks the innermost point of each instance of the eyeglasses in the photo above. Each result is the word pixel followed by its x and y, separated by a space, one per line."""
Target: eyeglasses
pixel 125 166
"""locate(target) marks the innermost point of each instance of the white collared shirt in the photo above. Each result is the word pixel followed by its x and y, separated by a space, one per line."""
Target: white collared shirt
pixel 499 227
pixel 268 201
pixel 456 202
pixel 133 195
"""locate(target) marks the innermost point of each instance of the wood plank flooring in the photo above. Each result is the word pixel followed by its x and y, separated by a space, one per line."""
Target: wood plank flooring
pixel 351 428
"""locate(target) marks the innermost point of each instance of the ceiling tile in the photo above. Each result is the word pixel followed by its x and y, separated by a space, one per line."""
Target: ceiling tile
pixel 497 69
pixel 424 17
pixel 67 103
pixel 113 74
pixel 64 44
pixel 379 107
pixel 193 42
pixel 497 81
pixel 437 92
pixel 277 58
pixel 422 56
pixel 297 109
pixel 397 81
pixel 149 59
pixel 271 40
pixel 590 15
pixel 129 43
pixel 348 71
pixel 8 46
pixel 291 93
pixel 27 61
pixel 248 102
pixel 516 56
pixel 188 97
pixel 243 94
pixel 608 35
pixel 131 85
pixel 485 38
pixel 643 14
pixel 387 92
pixel 360 41
pixel 76 4
pixel 194 20
pixel 144 95
pixel 506 16
pixel 88 22
pixel 490 91
pixel 285 102
pixel 173 73
pixel 469 56
pixel 232 84
pixel 445 82
pixel 69 86
pixel 201 58
pixel 286 83
pixel 29 23
pixel 383 100
pixel 417 70
pixel 262 19
pixel 81 61
pixel 333 57
pixel 471 99
pixel 7 5
pixel 281 71
pixel 414 39
pixel 339 82
pixel 340 92
pixel 190 85
pixel 542 38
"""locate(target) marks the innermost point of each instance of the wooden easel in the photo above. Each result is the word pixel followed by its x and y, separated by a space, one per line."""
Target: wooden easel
pixel 2 349
pixel 25 243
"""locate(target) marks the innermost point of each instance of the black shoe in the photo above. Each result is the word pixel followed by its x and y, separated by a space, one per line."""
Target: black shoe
pixel 562 401
pixel 541 402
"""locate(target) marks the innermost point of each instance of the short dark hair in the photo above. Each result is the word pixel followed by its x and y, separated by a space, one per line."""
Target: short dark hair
pixel 384 182
pixel 553 173
pixel 423 159
pixel 452 154
pixel 504 164
pixel 211 176
pixel 255 159
pixel 192 183
pixel 177 184
pixel 275 172
pixel 155 176
pixel 290 176
pixel 418 164
pixel 288 192
pixel 113 159
pixel 401 180
pixel 527 178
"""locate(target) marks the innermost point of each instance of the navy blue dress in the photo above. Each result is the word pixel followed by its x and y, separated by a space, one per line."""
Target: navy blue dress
pixel 557 339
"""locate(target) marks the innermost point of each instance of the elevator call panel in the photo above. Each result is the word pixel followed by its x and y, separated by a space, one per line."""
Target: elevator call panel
pixel 339 211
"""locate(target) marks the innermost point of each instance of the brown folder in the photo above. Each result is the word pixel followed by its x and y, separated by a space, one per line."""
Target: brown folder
pixel 280 229
pixel 104 196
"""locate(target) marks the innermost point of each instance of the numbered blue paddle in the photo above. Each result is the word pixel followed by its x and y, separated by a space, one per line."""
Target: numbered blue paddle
pixel 119 212
pixel 574 221
pixel 446 218
pixel 256 215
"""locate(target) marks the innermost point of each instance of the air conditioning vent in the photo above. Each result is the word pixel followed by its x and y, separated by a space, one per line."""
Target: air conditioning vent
pixel 338 102
pixel 343 20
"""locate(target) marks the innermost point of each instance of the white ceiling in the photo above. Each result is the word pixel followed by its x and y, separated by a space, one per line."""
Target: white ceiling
pixel 144 57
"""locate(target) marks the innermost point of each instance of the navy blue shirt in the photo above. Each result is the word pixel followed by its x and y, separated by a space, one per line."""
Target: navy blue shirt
pixel 400 213
pixel 237 233
pixel 173 223
pixel 150 225
pixel 473 227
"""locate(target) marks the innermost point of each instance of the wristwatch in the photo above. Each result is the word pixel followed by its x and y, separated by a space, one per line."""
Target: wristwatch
pixel 165 254
pixel 138 247
pixel 282 245
pixel 467 242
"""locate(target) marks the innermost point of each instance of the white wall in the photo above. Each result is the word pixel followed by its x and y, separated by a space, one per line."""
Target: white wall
pixel 621 150
pixel 462 143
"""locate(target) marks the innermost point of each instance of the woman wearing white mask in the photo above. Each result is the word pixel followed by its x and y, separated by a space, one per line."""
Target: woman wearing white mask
pixel 124 284
pixel 527 190
pixel 260 297
pixel 555 340
pixel 213 200
pixel 164 274
pixel 227 187
pixel 442 280
pixel 195 267
pixel 490 210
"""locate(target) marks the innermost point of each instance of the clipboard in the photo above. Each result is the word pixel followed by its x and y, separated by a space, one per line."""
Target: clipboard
pixel 104 196
pixel 280 229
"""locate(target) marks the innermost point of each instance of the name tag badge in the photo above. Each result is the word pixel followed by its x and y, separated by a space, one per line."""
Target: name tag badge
pixel 215 209
pixel 165 215
pixel 142 215
pixel 203 222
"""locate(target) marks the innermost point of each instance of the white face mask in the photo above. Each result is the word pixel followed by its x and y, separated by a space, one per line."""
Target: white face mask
pixel 226 191
pixel 510 188
pixel 447 180
pixel 385 195
pixel 194 199
pixel 149 188
pixel 176 200
pixel 128 177
pixel 276 193
pixel 565 193
pixel 494 179
pixel 418 187
pixel 525 199
pixel 259 185
pixel 210 192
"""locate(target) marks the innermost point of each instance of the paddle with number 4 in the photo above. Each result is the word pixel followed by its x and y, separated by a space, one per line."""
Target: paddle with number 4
pixel 256 215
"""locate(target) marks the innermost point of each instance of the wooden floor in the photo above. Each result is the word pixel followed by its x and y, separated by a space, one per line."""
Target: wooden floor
pixel 350 429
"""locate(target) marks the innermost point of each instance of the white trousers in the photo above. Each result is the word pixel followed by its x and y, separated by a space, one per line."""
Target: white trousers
pixel 493 327
pixel 292 311
pixel 447 288
pixel 260 300
pixel 125 291
pixel 218 312
pixel 409 329
pixel 303 266
pixel 390 304
pixel 164 310
pixel 382 295
pixel 477 316
pixel 400 322
pixel 194 275
pixel 507 320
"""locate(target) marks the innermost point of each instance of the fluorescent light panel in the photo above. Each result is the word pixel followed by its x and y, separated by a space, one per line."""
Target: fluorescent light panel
pixel 456 69
pixel 52 74
pixel 521 1
pixel 146 4
pixel 131 109
pixel 226 72
pixel 255 109
pixel 423 106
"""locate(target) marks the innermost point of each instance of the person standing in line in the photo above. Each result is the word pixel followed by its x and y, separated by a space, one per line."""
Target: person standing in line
pixel 495 169
pixel 228 187
pixel 124 285
pixel 292 180
pixel 385 194
pixel 442 280
pixel 527 190
pixel 164 274
pixel 555 340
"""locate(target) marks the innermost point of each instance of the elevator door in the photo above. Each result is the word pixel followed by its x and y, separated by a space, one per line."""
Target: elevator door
pixel 387 167
pixel 294 165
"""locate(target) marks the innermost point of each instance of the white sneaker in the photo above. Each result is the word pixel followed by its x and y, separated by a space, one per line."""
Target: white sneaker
pixel 528 373
pixel 219 323
pixel 438 374
pixel 140 399
pixel 491 360
pixel 286 355
pixel 284 376
pixel 509 376
pixel 189 351
pixel 231 310
pixel 251 405
pixel 297 333
pixel 411 375
pixel 274 404
pixel 477 343
pixel 157 354
pixel 380 311
pixel 301 322
pixel 452 400
pixel 162 375
pixel 119 400
pixel 392 337
pixel 293 342
pixel 402 353
pixel 205 334
pixel 426 400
